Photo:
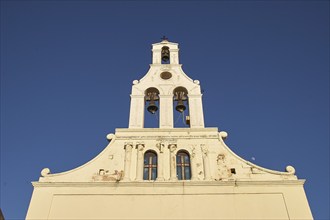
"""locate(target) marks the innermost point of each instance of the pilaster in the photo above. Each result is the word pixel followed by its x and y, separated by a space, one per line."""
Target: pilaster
pixel 139 162
pixel 127 164
pixel 160 174
pixel 172 148
pixel 206 163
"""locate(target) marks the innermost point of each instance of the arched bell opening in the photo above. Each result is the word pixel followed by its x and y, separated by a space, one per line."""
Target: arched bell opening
pixel 151 98
pixel 181 107
pixel 165 55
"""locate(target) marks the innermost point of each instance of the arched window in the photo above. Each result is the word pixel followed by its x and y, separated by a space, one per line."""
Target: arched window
pixel 150 166
pixel 183 165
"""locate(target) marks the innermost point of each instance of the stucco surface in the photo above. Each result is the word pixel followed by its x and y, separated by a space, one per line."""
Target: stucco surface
pixel 222 185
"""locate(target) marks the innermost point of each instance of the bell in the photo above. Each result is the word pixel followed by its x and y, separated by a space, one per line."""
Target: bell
pixel 165 54
pixel 152 108
pixel 180 107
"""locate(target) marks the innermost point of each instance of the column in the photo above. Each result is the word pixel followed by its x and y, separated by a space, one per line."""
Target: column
pixel 160 169
pixel 166 111
pixel 206 163
pixel 127 166
pixel 139 162
pixel 172 148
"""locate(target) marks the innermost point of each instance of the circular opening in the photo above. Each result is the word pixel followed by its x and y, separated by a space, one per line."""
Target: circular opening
pixel 165 75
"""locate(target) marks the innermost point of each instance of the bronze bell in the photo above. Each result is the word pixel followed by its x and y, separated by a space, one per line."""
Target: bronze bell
pixel 180 107
pixel 152 108
pixel 165 54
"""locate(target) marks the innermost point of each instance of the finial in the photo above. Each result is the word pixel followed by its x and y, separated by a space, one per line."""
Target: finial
pixel 164 38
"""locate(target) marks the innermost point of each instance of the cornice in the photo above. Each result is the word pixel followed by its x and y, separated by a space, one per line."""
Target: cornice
pixel 173 184
pixel 166 133
pixel 144 130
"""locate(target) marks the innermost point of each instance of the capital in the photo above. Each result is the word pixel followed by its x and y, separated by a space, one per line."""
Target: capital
pixel 128 146
pixel 172 147
pixel 140 147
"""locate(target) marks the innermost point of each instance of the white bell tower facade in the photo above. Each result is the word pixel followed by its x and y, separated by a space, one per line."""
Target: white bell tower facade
pixel 166 87
pixel 168 172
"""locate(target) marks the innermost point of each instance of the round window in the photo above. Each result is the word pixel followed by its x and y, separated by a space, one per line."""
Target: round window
pixel 165 75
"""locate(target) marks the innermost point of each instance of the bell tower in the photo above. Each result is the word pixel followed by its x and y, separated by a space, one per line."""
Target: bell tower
pixel 166 88
pixel 168 172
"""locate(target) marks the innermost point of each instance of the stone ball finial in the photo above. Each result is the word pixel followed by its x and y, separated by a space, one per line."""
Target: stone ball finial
pixel 223 134
pixel 110 136
pixel 290 169
pixel 196 82
pixel 45 172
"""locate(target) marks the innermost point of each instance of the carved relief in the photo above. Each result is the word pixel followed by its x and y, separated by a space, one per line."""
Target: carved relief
pixel 194 166
pixel 223 172
pixel 205 151
pixel 104 175
pixel 193 151
pixel 160 147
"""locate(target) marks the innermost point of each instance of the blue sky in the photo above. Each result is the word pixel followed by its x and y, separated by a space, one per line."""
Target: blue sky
pixel 67 68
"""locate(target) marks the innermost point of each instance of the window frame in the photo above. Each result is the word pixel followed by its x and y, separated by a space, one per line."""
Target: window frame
pixel 183 165
pixel 152 165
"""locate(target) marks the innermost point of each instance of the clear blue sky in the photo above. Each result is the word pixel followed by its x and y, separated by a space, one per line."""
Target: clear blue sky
pixel 67 69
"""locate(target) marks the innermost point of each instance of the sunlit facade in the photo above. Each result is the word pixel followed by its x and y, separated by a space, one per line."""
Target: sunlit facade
pixel 176 172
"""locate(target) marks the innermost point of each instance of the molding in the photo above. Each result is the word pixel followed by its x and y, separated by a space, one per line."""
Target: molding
pixel 290 171
pixel 172 184
pixel 152 130
pixel 167 137
pixel 166 133
pixel 137 96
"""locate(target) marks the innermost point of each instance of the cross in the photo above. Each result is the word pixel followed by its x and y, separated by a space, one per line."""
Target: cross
pixel 164 38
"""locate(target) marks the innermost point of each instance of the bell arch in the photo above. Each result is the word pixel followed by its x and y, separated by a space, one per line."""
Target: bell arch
pixel 165 55
pixel 181 110
pixel 151 99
